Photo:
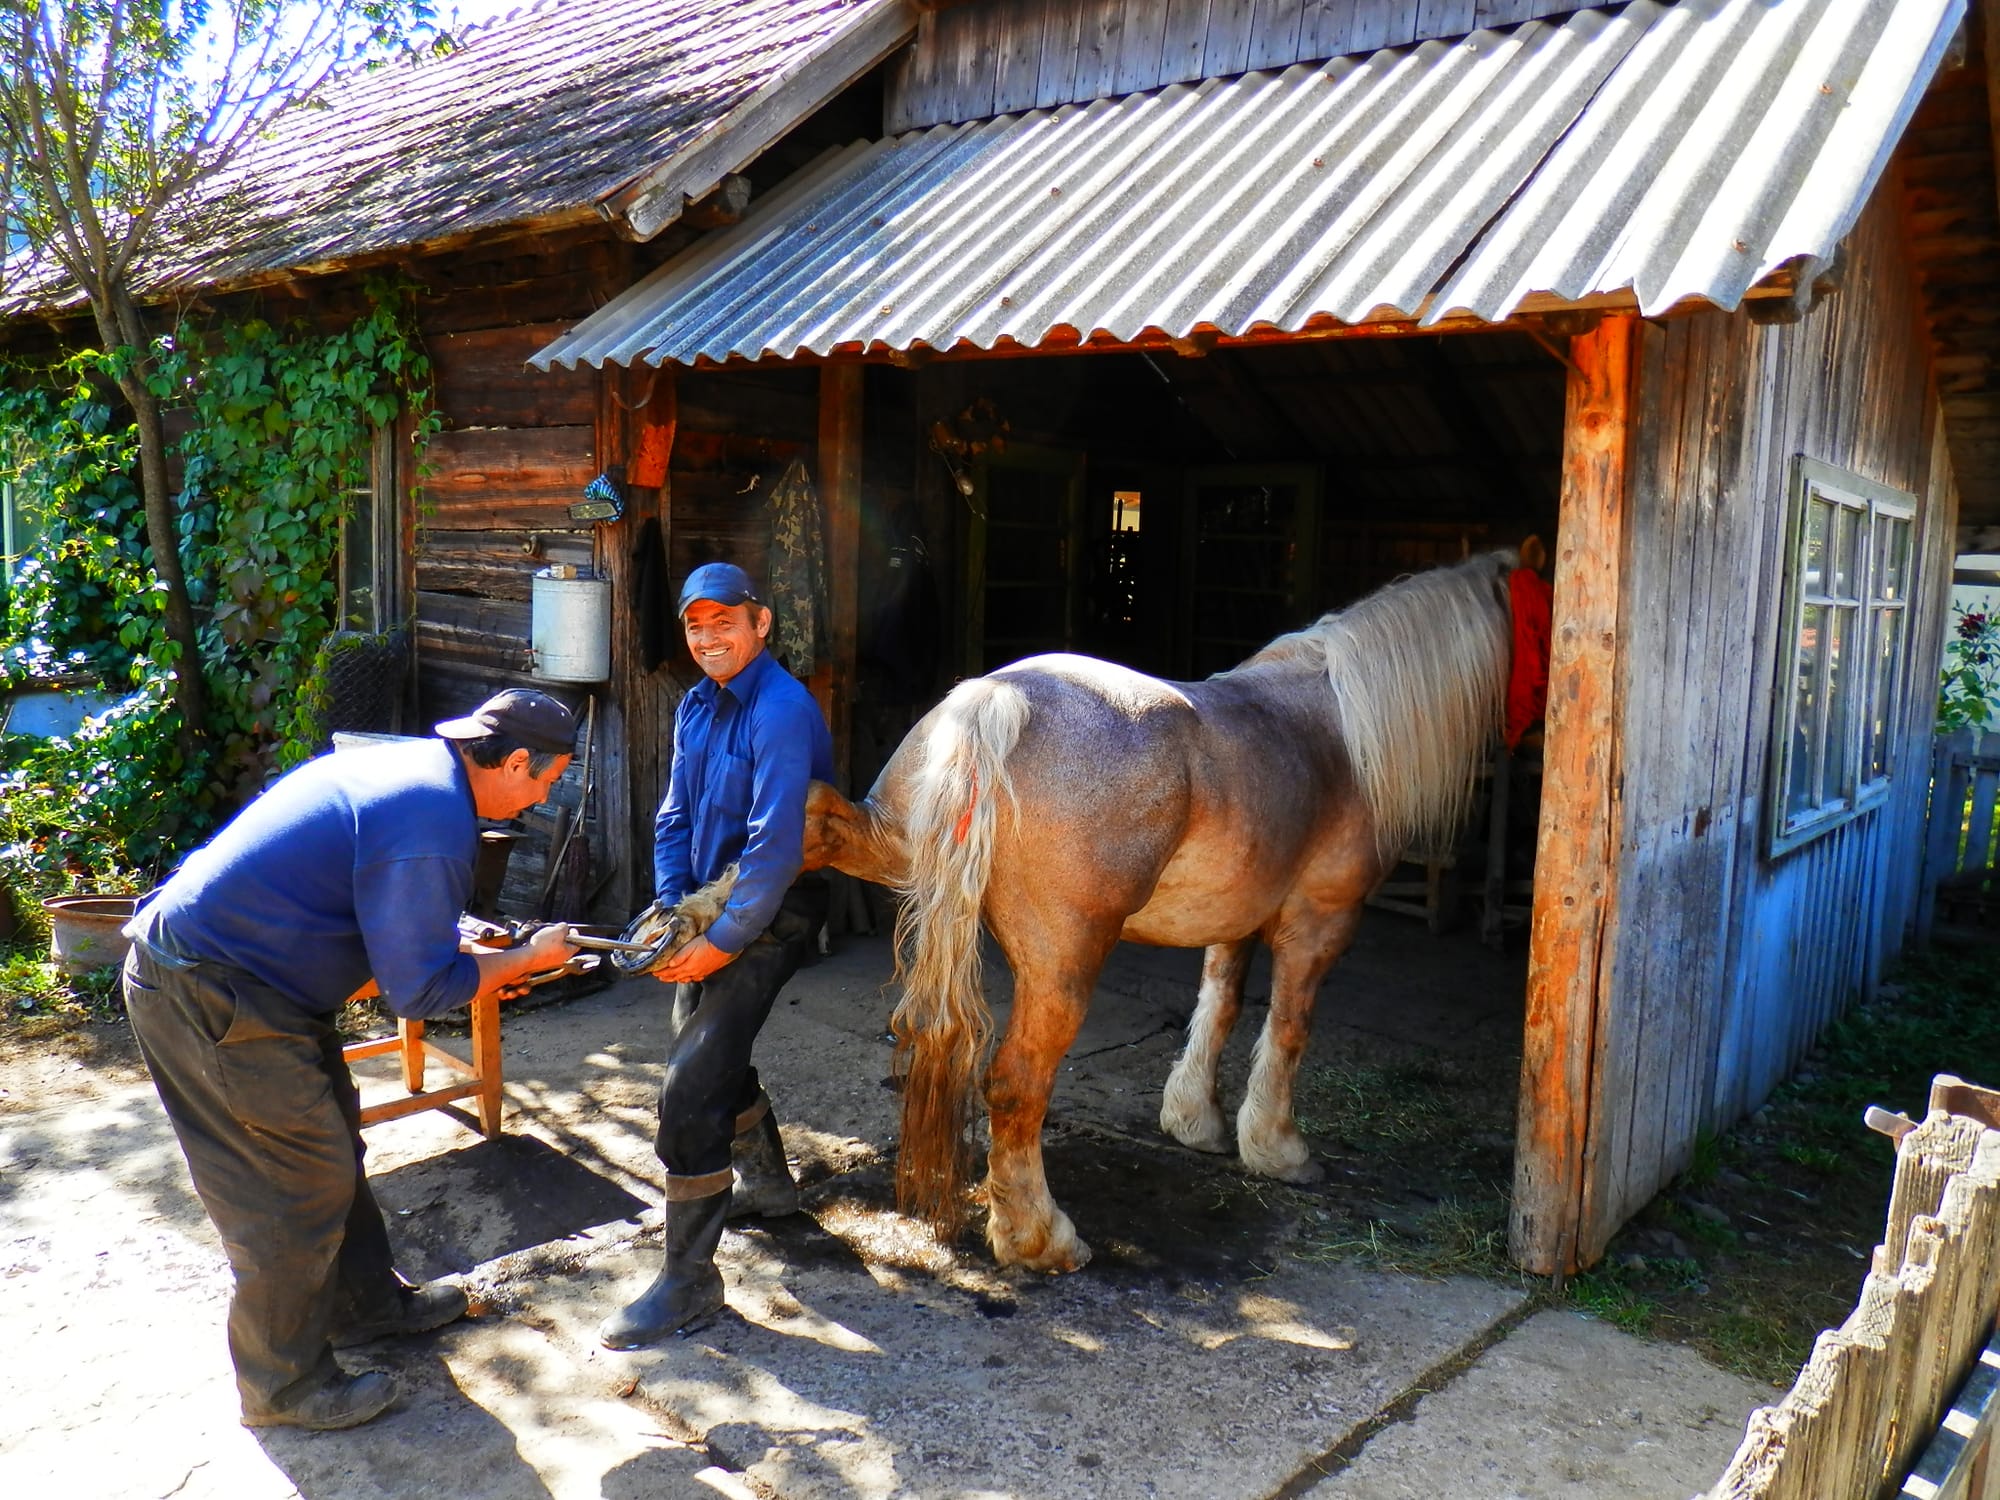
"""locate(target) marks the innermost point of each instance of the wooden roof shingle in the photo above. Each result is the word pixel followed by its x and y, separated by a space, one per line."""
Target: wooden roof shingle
pixel 542 117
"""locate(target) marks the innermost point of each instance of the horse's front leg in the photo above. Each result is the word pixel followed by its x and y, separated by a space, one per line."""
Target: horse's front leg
pixel 1190 1111
pixel 1303 946
pixel 1023 1225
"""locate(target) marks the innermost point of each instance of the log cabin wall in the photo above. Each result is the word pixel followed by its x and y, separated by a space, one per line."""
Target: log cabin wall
pixel 977 60
pixel 1725 963
pixel 517 447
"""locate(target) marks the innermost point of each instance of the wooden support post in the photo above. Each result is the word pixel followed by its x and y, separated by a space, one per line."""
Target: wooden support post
pixel 840 416
pixel 1576 860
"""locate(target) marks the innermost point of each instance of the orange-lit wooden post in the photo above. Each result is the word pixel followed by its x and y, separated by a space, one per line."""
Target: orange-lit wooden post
pixel 1576 860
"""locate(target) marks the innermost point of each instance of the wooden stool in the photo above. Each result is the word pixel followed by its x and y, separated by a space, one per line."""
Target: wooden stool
pixel 479 1078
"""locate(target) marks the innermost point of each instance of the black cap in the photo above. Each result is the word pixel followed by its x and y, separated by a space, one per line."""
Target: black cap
pixel 719 583
pixel 533 719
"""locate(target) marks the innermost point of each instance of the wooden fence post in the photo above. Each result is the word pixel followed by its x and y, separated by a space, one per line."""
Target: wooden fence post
pixel 1949 771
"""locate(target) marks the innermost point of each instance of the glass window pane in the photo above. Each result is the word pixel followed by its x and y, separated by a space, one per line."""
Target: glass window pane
pixel 1845 583
pixel 1819 531
pixel 357 563
pixel 1892 577
pixel 1888 671
pixel 1800 795
pixel 1837 756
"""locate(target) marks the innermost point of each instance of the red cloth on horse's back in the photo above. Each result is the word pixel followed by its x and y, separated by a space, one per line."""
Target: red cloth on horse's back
pixel 1532 606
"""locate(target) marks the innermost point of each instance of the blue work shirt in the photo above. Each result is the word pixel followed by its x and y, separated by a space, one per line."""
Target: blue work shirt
pixel 742 757
pixel 354 866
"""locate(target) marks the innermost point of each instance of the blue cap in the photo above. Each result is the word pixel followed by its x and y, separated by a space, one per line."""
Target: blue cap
pixel 719 583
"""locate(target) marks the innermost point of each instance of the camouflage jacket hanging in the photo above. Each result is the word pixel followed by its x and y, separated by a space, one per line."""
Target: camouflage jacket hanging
pixel 799 629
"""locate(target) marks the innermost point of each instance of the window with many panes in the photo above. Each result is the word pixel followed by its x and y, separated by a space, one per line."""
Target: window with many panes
pixel 1842 644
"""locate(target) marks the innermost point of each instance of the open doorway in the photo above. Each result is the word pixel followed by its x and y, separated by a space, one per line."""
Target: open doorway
pixel 1174 514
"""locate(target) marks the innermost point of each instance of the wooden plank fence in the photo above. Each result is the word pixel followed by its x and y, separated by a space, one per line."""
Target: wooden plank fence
pixel 1868 1404
pixel 1961 886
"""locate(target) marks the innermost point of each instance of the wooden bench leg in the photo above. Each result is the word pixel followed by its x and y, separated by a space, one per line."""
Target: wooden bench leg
pixel 486 1062
pixel 412 1033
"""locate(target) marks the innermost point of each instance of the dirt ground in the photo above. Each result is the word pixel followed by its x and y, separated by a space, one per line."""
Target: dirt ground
pixel 1232 1337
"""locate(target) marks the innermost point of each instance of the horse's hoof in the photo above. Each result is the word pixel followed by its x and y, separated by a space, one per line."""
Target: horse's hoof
pixel 1294 1166
pixel 1055 1251
pixel 1305 1174
pixel 1209 1135
pixel 1060 1260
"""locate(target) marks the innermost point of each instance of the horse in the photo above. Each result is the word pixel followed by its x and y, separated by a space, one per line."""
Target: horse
pixel 1071 803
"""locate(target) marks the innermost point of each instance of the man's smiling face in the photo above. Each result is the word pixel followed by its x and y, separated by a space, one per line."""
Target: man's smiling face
pixel 725 638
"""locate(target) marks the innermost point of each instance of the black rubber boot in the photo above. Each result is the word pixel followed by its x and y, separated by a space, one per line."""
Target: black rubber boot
pixel 763 1187
pixel 688 1289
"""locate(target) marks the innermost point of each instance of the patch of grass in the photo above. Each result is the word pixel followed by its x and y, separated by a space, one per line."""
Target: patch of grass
pixel 1812 1158
pixel 1389 1105
pixel 41 1004
pixel 1610 1297
pixel 1453 1238
pixel 1706 1162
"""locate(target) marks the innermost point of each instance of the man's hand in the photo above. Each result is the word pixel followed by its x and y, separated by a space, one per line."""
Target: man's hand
pixel 693 964
pixel 504 972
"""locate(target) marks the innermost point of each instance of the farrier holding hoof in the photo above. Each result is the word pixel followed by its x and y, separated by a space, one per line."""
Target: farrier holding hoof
pixel 746 742
pixel 353 866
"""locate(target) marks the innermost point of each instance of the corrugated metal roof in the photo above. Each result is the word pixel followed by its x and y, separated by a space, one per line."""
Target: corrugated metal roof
pixel 540 114
pixel 1681 151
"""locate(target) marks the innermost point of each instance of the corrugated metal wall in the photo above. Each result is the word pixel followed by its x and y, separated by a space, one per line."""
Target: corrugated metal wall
pixel 1726 964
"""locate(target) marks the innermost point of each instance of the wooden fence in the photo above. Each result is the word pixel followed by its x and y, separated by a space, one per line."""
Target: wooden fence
pixel 1868 1404
pixel 1961 888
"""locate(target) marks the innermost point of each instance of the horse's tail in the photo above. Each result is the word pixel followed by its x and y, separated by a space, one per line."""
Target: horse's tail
pixel 1419 673
pixel 942 1024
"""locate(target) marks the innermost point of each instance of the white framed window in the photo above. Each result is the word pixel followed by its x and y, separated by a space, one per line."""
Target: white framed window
pixel 1842 644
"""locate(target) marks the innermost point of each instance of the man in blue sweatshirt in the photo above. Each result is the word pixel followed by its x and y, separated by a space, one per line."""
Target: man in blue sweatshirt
pixel 746 742
pixel 355 866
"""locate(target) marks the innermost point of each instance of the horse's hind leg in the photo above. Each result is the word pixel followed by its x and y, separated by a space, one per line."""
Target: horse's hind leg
pixel 1303 947
pixel 1189 1109
pixel 1023 1225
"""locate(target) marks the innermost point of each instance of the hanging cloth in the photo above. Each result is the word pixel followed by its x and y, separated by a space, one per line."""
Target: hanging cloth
pixel 800 628
pixel 1528 677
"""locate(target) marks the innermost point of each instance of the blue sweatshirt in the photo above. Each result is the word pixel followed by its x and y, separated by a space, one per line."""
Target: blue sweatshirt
pixel 742 757
pixel 354 866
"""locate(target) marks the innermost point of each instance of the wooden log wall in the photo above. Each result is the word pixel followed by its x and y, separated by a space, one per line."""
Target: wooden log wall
pixel 974 61
pixel 517 447
pixel 1725 964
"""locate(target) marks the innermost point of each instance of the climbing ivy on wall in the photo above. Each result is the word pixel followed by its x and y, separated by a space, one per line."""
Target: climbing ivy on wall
pixel 279 423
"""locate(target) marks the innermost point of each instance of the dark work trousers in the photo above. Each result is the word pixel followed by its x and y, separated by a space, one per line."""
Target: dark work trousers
pixel 268 1118
pixel 709 1079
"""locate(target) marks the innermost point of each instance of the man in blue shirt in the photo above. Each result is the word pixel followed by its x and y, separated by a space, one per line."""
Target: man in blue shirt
pixel 354 866
pixel 746 742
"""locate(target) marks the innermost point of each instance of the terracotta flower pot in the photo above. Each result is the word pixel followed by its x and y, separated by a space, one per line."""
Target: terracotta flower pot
pixel 84 931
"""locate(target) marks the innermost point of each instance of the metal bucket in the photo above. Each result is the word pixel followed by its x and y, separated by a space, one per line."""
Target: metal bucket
pixel 570 628
pixel 85 931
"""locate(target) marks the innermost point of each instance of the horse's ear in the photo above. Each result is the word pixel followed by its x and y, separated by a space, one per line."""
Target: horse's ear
pixel 1534 555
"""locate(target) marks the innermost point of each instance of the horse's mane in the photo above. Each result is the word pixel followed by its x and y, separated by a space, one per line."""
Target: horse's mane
pixel 1419 677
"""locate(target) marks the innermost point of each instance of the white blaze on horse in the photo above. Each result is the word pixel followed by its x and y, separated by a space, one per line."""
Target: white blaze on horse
pixel 1070 803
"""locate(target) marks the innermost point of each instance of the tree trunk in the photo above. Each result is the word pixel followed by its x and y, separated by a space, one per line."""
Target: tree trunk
pixel 127 327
